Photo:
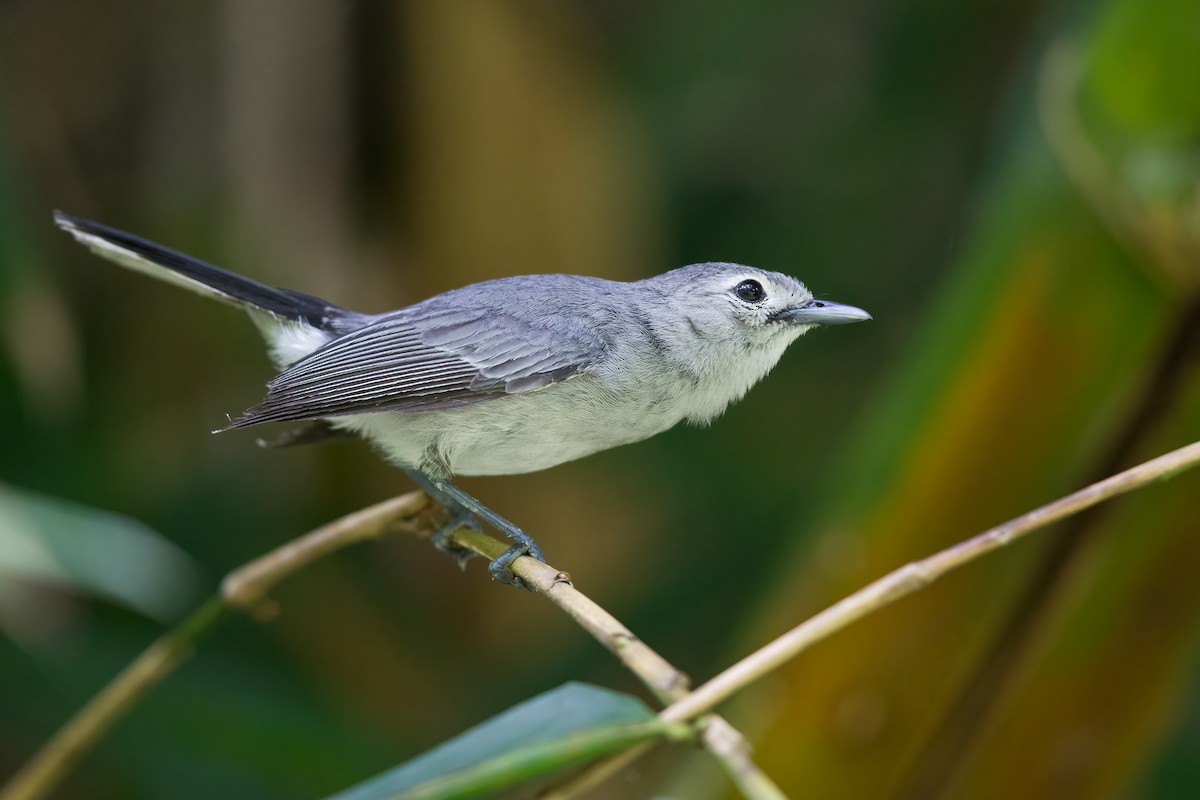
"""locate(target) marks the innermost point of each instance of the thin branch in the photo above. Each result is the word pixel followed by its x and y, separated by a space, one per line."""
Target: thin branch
pixel 891 587
pixel 914 576
pixel 242 590
pixel 733 752
pixel 668 684
pixel 729 745
pixel 246 588
pixel 57 756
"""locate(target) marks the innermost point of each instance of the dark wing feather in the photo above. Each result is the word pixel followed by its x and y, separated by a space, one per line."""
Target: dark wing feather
pixel 426 358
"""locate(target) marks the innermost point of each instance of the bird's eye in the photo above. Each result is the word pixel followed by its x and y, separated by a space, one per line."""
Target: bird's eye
pixel 750 291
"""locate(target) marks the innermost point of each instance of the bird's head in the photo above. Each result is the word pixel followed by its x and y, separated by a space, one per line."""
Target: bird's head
pixel 723 326
pixel 747 306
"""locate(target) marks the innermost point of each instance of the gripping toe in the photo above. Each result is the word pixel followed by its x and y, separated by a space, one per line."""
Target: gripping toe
pixel 443 538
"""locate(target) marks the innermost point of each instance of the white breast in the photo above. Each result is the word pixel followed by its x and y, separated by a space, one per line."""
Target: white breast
pixel 517 433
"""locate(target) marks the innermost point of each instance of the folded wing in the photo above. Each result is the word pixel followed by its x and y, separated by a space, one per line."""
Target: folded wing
pixel 424 358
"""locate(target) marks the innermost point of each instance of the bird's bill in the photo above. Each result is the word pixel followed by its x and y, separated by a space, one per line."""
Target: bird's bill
pixel 823 312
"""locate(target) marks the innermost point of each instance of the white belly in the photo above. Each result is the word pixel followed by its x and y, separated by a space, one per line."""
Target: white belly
pixel 516 433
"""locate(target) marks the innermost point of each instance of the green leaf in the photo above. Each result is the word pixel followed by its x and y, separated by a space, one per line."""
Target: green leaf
pixel 86 550
pixel 561 727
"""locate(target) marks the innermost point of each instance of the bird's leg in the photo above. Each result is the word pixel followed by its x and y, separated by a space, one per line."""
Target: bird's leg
pixel 460 517
pixel 523 544
pixel 462 508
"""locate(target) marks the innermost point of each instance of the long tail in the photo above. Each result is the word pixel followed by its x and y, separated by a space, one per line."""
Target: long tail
pixel 202 278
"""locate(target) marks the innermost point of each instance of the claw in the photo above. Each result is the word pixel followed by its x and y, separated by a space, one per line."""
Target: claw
pixel 443 538
pixel 501 568
pixel 464 508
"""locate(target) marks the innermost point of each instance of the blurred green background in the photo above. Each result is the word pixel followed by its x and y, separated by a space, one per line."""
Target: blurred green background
pixel 1021 216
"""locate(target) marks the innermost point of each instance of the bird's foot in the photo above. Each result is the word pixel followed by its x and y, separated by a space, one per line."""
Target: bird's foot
pixel 501 567
pixel 523 544
pixel 443 537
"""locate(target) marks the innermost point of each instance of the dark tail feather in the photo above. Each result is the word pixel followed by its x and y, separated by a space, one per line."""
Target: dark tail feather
pixel 172 266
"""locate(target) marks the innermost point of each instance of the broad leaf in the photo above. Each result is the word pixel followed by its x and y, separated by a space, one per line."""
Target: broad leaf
pixel 90 551
pixel 564 726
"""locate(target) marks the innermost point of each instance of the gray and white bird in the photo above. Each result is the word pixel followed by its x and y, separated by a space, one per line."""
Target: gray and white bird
pixel 506 376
